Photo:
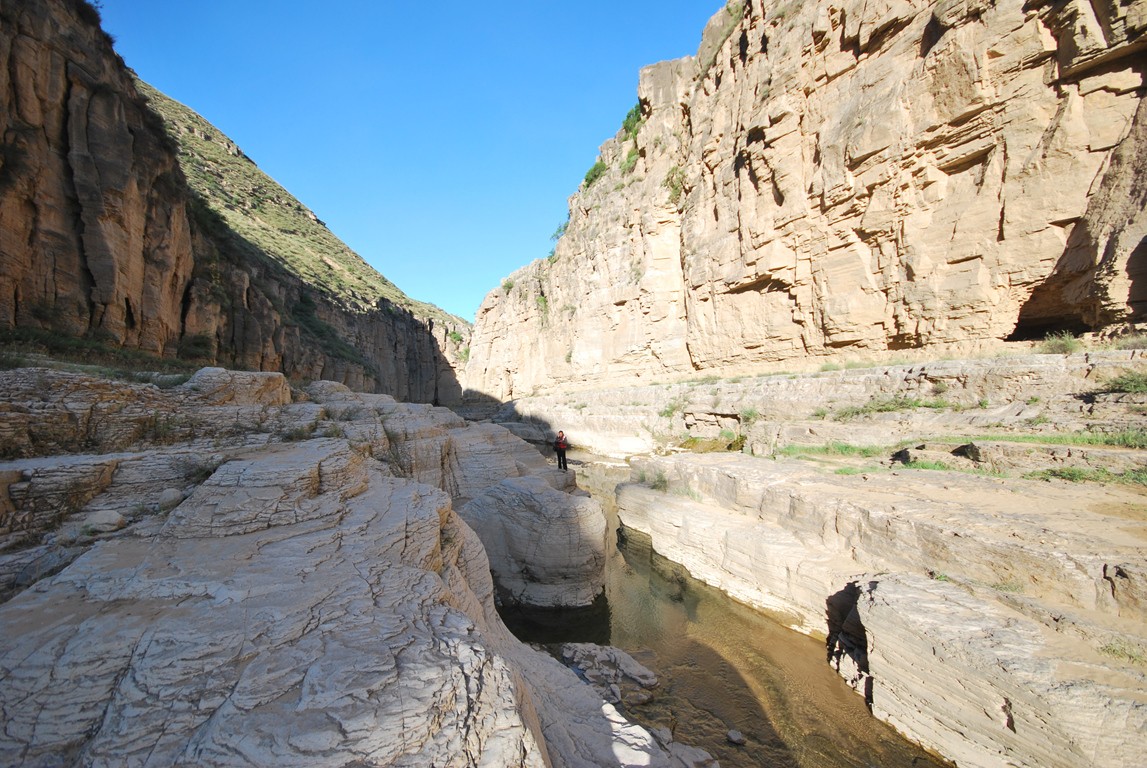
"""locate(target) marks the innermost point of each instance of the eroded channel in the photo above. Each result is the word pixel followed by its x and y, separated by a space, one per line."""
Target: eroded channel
pixel 721 665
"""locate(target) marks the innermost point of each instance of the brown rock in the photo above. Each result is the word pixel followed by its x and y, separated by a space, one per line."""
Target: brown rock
pixel 102 238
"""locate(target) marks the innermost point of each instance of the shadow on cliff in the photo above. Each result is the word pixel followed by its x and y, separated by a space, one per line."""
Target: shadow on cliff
pixel 261 304
pixel 847 643
pixel 535 430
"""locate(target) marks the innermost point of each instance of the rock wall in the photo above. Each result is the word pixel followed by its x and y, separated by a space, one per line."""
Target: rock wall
pixel 1040 395
pixel 101 238
pixel 852 178
pixel 995 622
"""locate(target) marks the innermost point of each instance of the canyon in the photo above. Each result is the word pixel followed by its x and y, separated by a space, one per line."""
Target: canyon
pixel 802 293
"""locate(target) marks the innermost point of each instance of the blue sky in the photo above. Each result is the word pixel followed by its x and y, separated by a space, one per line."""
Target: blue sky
pixel 438 140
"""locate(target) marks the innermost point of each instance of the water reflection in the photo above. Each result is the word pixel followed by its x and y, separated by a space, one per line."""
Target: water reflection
pixel 722 666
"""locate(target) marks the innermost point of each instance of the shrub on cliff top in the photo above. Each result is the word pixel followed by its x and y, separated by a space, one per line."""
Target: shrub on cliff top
pixel 633 122
pixel 594 173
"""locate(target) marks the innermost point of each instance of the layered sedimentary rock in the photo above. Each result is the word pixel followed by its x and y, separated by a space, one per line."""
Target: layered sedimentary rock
pixel 843 179
pixel 993 621
pixel 102 238
pixel 279 588
pixel 1034 394
pixel 526 526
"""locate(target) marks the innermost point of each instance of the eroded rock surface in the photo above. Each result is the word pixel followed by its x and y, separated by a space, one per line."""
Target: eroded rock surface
pixel 835 180
pixel 288 589
pixel 987 619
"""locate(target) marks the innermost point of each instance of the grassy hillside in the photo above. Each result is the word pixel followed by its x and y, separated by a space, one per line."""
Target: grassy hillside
pixel 258 209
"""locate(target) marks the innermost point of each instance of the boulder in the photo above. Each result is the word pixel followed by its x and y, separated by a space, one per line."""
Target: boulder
pixel 546 547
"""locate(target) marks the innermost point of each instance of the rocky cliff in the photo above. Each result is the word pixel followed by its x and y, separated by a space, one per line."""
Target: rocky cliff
pixel 846 179
pixel 104 239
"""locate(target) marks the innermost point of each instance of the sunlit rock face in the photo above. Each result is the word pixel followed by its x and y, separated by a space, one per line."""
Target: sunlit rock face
pixel 994 621
pixel 228 571
pixel 546 547
pixel 858 178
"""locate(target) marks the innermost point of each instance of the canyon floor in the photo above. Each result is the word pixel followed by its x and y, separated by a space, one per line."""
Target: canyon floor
pixel 968 536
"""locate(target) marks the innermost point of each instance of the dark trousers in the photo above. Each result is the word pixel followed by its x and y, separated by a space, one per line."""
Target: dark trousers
pixel 561 458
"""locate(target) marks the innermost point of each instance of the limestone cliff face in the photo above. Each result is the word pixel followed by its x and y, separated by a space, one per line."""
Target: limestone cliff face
pixel 101 235
pixel 847 178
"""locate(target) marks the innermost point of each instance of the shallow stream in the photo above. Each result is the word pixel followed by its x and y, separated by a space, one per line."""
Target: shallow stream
pixel 721 665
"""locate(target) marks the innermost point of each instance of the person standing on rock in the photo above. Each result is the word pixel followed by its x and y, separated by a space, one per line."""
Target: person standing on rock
pixel 560 447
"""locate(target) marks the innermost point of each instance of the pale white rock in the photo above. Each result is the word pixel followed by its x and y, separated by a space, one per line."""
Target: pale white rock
pixel 546 548
pixel 608 664
pixel 169 499
pixel 219 386
pixel 103 521
pixel 1010 702
pixel 982 617
pixel 265 638
pixel 302 604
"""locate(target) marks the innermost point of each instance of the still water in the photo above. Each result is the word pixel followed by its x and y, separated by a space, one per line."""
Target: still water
pixel 721 665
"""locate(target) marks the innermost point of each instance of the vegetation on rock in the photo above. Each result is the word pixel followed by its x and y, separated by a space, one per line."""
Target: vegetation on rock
pixel 258 210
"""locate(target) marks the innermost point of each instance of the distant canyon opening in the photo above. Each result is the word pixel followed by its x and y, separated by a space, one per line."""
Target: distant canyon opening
pixel 721 666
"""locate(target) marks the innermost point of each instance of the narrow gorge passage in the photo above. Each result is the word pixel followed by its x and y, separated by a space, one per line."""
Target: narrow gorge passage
pixel 721 665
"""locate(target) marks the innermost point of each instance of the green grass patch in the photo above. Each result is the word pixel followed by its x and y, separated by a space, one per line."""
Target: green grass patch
pixel 632 122
pixel 630 161
pixel 1124 651
pixel 10 360
pixel 671 408
pixel 833 449
pixel 938 466
pixel 1131 341
pixel 596 171
pixel 675 183
pixel 878 405
pixel 1089 475
pixel 1128 438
